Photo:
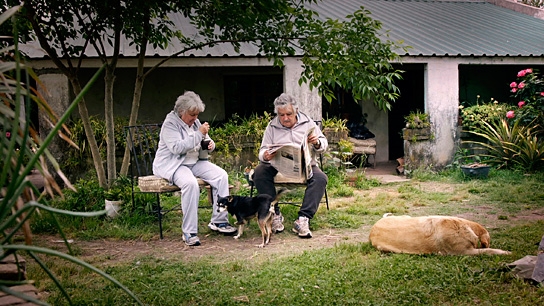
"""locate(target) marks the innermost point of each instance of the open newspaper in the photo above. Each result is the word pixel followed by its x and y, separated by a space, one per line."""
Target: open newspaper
pixel 293 160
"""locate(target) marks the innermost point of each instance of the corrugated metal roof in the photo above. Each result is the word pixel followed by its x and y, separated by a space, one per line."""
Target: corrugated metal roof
pixel 454 28
pixel 430 27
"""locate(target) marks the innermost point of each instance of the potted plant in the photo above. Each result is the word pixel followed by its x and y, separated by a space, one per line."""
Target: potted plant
pixel 335 129
pixel 113 199
pixel 418 127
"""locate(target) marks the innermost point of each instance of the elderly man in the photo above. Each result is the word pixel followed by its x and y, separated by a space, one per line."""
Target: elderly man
pixel 289 126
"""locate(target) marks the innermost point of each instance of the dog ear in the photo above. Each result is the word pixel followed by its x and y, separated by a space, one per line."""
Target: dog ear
pixel 230 198
pixel 482 233
pixel 485 240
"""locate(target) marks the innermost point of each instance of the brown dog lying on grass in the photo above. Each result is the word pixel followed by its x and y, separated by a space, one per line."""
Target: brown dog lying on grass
pixel 431 235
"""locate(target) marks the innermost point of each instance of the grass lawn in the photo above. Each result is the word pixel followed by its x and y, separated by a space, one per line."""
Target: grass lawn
pixel 336 267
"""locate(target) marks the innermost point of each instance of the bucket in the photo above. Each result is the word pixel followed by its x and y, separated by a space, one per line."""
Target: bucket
pixel 113 208
pixel 478 171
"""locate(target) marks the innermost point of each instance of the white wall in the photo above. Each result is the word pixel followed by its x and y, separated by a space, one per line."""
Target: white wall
pixel 309 100
pixel 442 105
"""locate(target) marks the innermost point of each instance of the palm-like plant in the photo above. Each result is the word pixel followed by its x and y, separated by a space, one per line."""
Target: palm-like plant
pixel 509 145
pixel 22 152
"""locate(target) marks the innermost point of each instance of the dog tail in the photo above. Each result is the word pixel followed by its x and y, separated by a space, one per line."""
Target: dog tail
pixel 277 198
pixel 387 215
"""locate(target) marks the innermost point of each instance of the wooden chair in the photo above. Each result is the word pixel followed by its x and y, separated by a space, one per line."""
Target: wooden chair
pixel 142 141
pixel 282 181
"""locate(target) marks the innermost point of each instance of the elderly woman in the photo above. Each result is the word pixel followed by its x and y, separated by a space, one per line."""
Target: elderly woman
pixel 289 126
pixel 178 161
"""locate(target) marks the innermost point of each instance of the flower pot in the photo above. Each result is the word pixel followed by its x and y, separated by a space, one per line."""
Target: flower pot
pixel 113 208
pixel 476 170
pixel 416 134
pixel 334 136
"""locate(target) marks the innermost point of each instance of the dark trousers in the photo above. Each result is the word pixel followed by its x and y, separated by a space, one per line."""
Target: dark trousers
pixel 263 178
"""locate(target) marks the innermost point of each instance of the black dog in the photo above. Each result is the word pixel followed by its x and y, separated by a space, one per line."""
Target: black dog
pixel 247 208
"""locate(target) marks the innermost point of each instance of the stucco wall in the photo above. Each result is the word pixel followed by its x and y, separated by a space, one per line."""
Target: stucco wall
pixel 56 91
pixel 442 105
pixel 309 100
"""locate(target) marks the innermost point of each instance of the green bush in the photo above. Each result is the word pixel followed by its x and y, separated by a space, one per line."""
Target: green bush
pixel 334 124
pixel 474 116
pixel 78 162
pixel 88 196
pixel 230 137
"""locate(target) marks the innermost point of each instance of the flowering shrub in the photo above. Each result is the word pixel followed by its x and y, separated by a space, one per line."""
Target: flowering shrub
pixel 514 141
pixel 475 115
pixel 510 114
pixel 528 90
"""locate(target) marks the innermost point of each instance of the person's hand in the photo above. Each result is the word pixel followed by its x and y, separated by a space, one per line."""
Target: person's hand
pixel 204 128
pixel 267 156
pixel 313 139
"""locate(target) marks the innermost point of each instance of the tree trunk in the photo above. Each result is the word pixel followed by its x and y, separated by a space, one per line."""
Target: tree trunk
pixel 83 112
pixel 136 97
pixel 109 80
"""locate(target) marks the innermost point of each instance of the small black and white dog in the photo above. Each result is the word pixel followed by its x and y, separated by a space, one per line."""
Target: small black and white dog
pixel 247 208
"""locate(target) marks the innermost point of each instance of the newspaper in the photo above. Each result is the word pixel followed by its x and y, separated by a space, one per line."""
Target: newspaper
pixel 293 160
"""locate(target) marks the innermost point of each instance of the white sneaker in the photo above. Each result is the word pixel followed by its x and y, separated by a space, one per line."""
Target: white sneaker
pixel 191 239
pixel 277 224
pixel 302 227
pixel 223 228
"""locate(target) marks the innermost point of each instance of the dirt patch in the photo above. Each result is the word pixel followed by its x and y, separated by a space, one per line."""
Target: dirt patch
pixel 222 248
pixel 482 215
pixel 225 248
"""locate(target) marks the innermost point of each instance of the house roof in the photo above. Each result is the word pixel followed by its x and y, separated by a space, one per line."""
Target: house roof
pixel 429 27
pixel 450 28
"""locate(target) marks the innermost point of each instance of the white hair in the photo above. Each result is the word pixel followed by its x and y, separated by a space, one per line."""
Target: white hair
pixel 189 101
pixel 285 100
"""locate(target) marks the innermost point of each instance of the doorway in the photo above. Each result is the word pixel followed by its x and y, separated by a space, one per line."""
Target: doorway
pixel 412 98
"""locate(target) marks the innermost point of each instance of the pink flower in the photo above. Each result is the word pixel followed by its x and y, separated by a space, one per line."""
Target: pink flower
pixel 510 114
pixel 521 85
pixel 521 103
pixel 514 90
pixel 8 134
pixel 524 72
pixel 542 93
pixel 513 85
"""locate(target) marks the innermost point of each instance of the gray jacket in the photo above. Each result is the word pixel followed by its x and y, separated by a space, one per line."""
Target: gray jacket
pixel 174 143
pixel 276 133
